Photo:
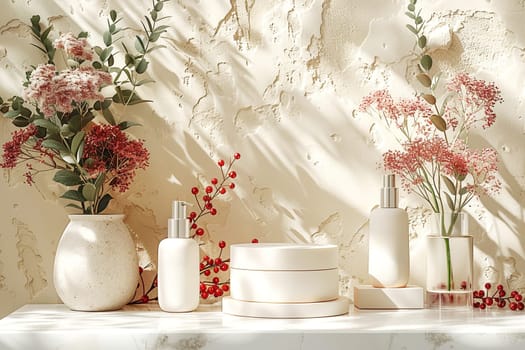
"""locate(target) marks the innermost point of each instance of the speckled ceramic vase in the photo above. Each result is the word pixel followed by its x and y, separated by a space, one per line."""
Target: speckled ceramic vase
pixel 96 264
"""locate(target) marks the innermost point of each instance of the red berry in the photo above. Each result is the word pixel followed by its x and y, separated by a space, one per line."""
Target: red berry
pixel 224 267
pixel 206 198
pixel 225 287
pixel 220 162
pixel 218 293
pixel 499 287
pixel 481 293
pixel 216 280
pixel 204 295
pixel 518 297
pixel 463 284
pixel 232 174
pixel 193 215
pixel 215 269
pixel 209 189
pixel 193 226
pixel 255 240
pixel 232 185
pixel 211 289
pixel 207 272
pixel 222 190
pixel 205 258
pixel 213 211
pixel 475 294
pixel 502 304
pixel 141 269
pixel 201 266
pixel 214 181
pixel 521 306
pixel 208 205
pixel 144 299
pixel 237 156
pixel 488 285
pixel 202 287
pixel 218 261
pixel 501 293
pixel 482 306
pixel 194 190
pixel 488 301
pixel 200 231
pixel 513 293
pixel 222 244
pixel 513 306
pixel 476 304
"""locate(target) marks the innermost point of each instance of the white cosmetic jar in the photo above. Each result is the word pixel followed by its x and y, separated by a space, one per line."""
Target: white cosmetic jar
pixel 284 272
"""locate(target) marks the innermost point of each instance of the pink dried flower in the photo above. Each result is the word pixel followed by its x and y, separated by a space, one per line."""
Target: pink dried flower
pixel 112 152
pixel 59 92
pixel 76 48
pixel 13 150
pixel 476 96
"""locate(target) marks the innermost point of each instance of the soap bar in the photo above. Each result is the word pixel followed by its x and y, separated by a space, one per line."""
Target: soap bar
pixel 335 307
pixel 368 297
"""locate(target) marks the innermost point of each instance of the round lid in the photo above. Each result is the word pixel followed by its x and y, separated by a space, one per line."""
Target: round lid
pixel 283 256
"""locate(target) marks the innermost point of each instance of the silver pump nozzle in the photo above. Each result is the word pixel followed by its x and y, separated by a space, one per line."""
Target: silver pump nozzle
pixel 389 192
pixel 178 224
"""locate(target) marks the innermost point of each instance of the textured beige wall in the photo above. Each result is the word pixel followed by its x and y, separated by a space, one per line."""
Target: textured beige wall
pixel 278 81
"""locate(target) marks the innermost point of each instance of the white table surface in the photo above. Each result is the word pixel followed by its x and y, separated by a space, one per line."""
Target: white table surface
pixel 41 326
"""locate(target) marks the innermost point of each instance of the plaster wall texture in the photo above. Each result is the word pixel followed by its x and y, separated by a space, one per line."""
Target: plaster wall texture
pixel 278 81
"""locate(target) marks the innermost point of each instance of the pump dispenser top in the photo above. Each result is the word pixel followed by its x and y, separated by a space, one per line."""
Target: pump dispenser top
pixel 389 192
pixel 179 224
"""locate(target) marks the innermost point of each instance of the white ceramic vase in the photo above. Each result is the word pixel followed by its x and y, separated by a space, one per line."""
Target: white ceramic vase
pixel 96 264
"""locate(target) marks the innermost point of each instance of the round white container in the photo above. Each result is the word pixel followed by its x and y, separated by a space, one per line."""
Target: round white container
pixel 284 273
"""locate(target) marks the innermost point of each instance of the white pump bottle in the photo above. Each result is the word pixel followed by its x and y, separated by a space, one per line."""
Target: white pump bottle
pixel 178 267
pixel 388 252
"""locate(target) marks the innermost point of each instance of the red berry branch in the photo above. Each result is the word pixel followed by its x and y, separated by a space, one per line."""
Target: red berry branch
pixel 214 287
pixel 484 299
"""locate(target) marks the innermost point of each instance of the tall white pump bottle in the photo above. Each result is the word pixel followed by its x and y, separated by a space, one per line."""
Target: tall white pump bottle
pixel 388 252
pixel 178 267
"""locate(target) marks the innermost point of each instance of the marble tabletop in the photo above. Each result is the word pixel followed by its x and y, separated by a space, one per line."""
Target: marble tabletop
pixel 54 326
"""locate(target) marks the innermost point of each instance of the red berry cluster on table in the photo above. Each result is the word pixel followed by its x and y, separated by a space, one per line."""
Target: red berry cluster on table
pixel 484 299
pixel 209 266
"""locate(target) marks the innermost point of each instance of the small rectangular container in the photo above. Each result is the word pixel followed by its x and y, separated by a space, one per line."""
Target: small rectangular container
pixel 284 273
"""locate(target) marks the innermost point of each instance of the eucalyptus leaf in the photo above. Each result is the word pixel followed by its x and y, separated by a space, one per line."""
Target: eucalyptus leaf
pixel 463 191
pixel 411 7
pixel 108 39
pixel 158 6
pixel 83 35
pixel 65 131
pixel 450 185
pixel 141 66
pixel 139 45
pixel 422 42
pixel 46 123
pixel 113 15
pixel 89 192
pixel 154 36
pixel 67 157
pixel 426 62
pixel 21 122
pixel 103 203
pixel 100 181
pixel 77 140
pixel 424 79
pixel 55 145
pixel 429 98
pixel 67 178
pixel 450 202
pixel 73 195
pixel 439 122
pixel 109 116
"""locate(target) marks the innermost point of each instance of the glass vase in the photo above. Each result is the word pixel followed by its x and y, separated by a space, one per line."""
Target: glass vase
pixel 449 262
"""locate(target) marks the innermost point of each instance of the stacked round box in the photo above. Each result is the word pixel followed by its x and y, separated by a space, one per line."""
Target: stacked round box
pixel 284 280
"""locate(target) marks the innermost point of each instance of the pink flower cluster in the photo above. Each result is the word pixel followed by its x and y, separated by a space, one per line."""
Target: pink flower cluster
pixel 424 160
pixel 53 91
pixel 74 47
pixel 110 151
pixel 12 150
pixel 473 96
pixel 409 115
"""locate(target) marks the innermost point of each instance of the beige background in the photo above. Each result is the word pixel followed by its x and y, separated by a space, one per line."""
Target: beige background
pixel 278 81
